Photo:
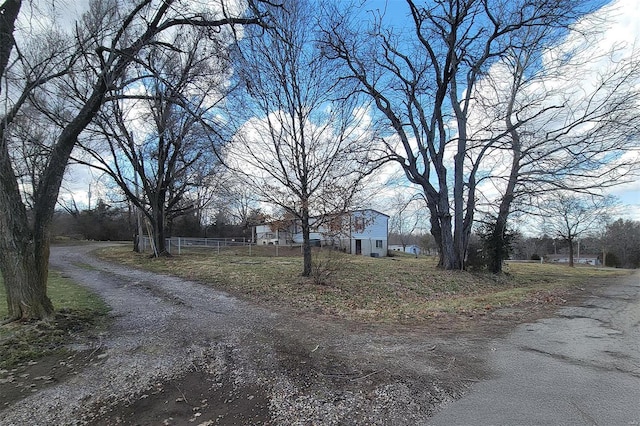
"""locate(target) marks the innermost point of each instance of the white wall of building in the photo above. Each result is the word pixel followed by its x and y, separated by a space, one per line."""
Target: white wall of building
pixel 363 232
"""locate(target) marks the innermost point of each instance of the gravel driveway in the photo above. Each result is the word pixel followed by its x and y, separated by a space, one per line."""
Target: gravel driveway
pixel 180 352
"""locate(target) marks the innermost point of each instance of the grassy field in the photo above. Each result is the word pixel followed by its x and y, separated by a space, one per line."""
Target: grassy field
pixel 389 290
pixel 76 310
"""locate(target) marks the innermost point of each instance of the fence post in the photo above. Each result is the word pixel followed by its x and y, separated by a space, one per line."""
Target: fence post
pixel 179 247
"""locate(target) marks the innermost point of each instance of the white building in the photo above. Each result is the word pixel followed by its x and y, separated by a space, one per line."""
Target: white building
pixel 409 248
pixel 270 233
pixel 585 259
pixel 361 232
pixel 368 233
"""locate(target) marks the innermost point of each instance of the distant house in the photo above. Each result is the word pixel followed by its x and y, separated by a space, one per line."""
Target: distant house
pixel 583 259
pixel 409 248
pixel 361 232
pixel 274 233
pixel 368 233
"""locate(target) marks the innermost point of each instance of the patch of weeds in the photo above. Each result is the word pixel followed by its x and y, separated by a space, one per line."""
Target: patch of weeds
pixel 326 264
pixel 28 342
pixel 77 310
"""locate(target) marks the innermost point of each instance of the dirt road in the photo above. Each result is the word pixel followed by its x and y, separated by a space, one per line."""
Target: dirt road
pixel 180 352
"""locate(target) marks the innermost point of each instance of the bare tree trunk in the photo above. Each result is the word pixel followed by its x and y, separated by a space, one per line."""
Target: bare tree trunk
pixel 442 227
pixel 498 237
pixel 449 259
pixel 306 244
pixel 570 240
pixel 23 268
pixel 25 279
pixel 24 257
pixel 158 218
pixel 498 243
pixel 8 15
pixel 436 232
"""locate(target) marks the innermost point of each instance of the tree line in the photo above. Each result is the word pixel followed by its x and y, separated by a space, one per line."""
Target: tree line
pixel 488 107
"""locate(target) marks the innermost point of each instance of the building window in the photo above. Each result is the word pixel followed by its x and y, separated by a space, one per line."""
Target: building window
pixel 378 243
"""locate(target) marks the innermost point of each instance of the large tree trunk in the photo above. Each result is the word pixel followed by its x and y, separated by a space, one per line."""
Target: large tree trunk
pixel 442 227
pixel 498 247
pixel 449 255
pixel 8 15
pixel 499 244
pixel 25 280
pixel 436 232
pixel 24 249
pixel 24 243
pixel 448 252
pixel 159 229
pixel 24 255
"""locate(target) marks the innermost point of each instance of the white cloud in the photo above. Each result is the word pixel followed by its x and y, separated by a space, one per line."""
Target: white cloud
pixel 595 54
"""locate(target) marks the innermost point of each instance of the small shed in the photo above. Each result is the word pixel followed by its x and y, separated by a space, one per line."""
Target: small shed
pixel 408 248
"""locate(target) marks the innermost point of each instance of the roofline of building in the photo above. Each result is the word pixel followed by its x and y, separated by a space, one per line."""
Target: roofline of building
pixel 348 211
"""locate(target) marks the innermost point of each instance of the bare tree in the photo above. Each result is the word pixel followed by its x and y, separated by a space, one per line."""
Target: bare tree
pixel 569 216
pixel 237 199
pixel 422 82
pixel 157 143
pixel 109 38
pixel 564 118
pixel 305 150
pixel 404 218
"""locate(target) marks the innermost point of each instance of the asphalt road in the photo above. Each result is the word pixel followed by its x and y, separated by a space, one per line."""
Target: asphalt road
pixel 581 367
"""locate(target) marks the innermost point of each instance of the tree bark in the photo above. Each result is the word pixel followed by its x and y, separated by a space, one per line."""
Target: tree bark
pixel 24 256
pixel 570 241
pixel 23 266
pixel 498 246
pixel 25 282
pixel 500 226
pixel 498 240
pixel 24 262
pixel 306 244
pixel 158 227
pixel 449 256
pixel 8 15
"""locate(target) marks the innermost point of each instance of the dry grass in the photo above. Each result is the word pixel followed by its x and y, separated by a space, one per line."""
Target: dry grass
pixel 77 309
pixel 397 289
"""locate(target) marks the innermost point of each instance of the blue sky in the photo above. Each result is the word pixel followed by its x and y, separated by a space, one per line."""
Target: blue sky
pixel 623 27
pixel 624 16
